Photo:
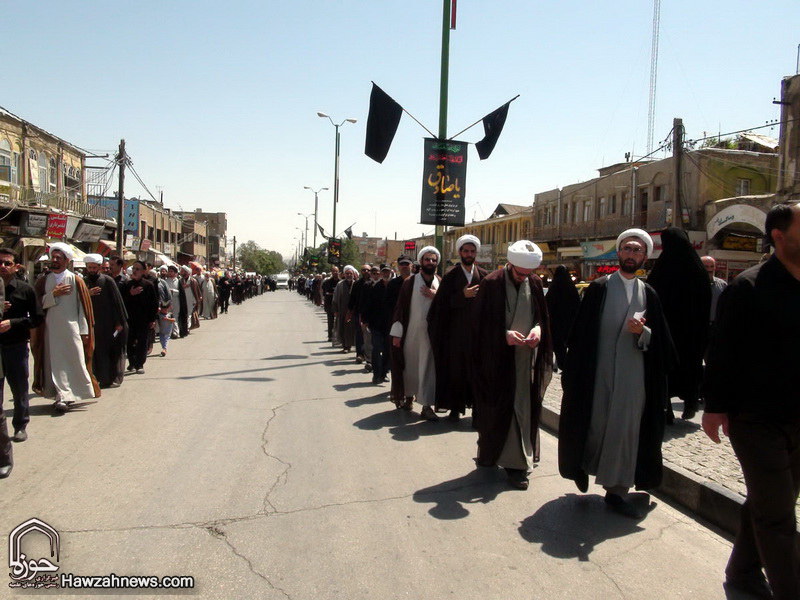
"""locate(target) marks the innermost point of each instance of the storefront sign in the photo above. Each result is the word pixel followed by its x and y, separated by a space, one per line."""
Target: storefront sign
pixel 131 211
pixel 738 213
pixel 740 242
pixel 444 178
pixel 410 248
pixel 601 250
pixel 145 245
pixel 485 254
pixel 88 232
pixel 34 224
pixel 57 226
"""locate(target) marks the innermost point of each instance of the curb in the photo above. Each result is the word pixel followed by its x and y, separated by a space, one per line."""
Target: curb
pixel 706 499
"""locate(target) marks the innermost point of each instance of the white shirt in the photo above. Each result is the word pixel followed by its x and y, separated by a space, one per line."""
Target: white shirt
pixel 469 273
pixel 629 283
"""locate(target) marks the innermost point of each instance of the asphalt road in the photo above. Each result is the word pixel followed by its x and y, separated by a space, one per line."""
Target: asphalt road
pixel 261 462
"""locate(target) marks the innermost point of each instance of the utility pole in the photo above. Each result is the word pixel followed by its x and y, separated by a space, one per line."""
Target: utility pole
pixel 677 155
pixel 234 254
pixel 443 89
pixel 121 201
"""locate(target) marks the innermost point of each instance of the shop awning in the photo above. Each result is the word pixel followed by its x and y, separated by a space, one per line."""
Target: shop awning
pixel 162 260
pixel 29 242
pixel 571 252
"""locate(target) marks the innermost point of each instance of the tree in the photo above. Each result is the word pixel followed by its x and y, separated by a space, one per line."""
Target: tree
pixel 253 257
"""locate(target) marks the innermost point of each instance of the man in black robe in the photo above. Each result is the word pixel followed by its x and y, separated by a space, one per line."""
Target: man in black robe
pixel 141 302
pixel 328 286
pixel 562 304
pixel 116 268
pixel 512 363
pixel 110 324
pixel 752 392
pixel 224 291
pixel 450 321
pixel 681 282
pixel 615 382
pixel 354 313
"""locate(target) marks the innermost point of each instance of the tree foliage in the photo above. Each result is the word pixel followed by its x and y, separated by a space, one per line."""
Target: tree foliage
pixel 252 257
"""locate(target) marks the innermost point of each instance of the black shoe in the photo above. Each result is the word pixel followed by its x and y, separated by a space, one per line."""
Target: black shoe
pixel 518 478
pixel 689 411
pixel 755 585
pixel 19 436
pixel 5 471
pixel 454 416
pixel 621 506
pixel 582 481
pixel 368 367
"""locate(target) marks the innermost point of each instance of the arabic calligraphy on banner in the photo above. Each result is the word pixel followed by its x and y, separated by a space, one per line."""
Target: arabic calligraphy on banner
pixel 444 177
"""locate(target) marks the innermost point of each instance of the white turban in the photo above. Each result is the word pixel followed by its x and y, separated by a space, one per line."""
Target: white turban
pixel 426 250
pixel 186 269
pixel 351 268
pixel 637 233
pixel 93 259
pixel 468 239
pixel 524 254
pixel 62 247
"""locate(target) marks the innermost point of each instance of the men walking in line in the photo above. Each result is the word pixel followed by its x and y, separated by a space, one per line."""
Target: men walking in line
pixel 378 317
pixel 224 290
pixel 751 392
pixel 450 321
pixel 328 287
pixel 717 285
pixel 615 382
pixel 513 362
pixel 194 298
pixel 166 321
pixel 355 316
pixel 209 289
pixel 110 324
pixel 62 346
pixel 345 328
pixel 141 302
pixel 116 269
pixel 409 333
pixel 21 313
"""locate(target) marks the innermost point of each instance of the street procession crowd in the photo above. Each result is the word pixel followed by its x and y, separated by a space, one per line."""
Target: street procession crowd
pixel 88 331
pixel 490 342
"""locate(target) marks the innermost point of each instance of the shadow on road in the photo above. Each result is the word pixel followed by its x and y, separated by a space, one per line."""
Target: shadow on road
pixel 574 525
pixel 451 498
pixel 376 399
pixel 340 372
pixel 388 418
pixel 413 431
pixel 343 387
pixel 286 357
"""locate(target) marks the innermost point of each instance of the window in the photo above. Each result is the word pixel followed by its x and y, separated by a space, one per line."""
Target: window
pixel 53 178
pixel 574 212
pixel 612 204
pixel 602 207
pixel 44 183
pixel 742 187
pixel 5 160
pixel 625 206
pixel 16 168
pixel 643 200
pixel 658 193
pixel 587 211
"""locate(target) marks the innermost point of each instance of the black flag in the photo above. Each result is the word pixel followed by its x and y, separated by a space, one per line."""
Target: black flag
pixel 322 231
pixel 384 117
pixel 349 233
pixel 492 127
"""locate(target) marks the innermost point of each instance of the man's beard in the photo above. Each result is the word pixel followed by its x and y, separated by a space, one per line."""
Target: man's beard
pixel 429 269
pixel 468 261
pixel 629 265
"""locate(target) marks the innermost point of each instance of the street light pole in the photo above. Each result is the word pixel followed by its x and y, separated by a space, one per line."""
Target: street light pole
pixel 316 205
pixel 335 166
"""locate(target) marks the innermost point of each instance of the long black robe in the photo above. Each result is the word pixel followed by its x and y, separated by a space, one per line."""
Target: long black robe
pixel 108 360
pixel 578 379
pixel 450 321
pixel 494 366
pixel 562 302
pixel 681 282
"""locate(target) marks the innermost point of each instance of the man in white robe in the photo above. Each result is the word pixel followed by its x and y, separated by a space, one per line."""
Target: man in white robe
pixel 410 332
pixel 63 372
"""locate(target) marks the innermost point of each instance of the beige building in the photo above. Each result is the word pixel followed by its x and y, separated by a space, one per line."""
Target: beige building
pixel 217 234
pixel 507 224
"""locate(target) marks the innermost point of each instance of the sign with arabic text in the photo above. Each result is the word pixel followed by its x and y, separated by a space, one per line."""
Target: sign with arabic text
pixel 56 226
pixel 334 251
pixel 444 177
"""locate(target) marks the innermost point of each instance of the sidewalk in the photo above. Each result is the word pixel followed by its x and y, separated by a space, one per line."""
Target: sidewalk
pixel 702 476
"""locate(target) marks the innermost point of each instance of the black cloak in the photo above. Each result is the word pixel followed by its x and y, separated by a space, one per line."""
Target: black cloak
pixel 562 303
pixel 577 382
pixel 682 285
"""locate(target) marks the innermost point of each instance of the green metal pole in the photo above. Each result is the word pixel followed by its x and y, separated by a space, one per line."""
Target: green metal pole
pixel 335 182
pixel 443 84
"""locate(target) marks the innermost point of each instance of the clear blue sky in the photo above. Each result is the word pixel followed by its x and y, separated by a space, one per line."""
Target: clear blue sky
pixel 217 101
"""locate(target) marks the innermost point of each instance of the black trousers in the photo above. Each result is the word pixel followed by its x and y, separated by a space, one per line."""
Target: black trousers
pixel 15 369
pixel 138 335
pixel 769 452
pixel 6 453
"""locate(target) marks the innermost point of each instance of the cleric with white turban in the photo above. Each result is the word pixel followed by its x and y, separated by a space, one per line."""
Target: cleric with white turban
pixel 640 234
pixel 64 249
pixel 427 250
pixel 524 254
pixel 468 239
pixel 93 259
pixel 352 269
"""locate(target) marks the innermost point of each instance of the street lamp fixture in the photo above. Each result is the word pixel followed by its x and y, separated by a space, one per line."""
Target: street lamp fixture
pixel 335 164
pixel 305 187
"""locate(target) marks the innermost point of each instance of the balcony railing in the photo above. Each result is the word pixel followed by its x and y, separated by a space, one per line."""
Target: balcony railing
pixel 23 196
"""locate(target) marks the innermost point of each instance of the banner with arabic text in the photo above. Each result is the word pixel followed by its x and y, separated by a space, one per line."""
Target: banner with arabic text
pixel 444 178
pixel 334 251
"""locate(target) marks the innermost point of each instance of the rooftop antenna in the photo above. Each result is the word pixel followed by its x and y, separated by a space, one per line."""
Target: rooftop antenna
pixel 651 111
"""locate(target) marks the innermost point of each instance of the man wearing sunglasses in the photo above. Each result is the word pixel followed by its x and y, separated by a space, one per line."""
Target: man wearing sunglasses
pixel 615 382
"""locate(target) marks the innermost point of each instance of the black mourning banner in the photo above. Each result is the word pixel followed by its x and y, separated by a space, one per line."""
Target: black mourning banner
pixel 444 176
pixel 334 251
pixel 382 121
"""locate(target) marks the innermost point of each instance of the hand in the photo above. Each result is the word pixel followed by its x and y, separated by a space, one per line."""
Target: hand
pixel 427 292
pixel 514 338
pixel 711 425
pixel 95 291
pixel 85 337
pixel 533 339
pixel 135 291
pixel 636 326
pixel 396 341
pixel 6 305
pixel 471 291
pixel 118 328
pixel 62 289
pixel 5 326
